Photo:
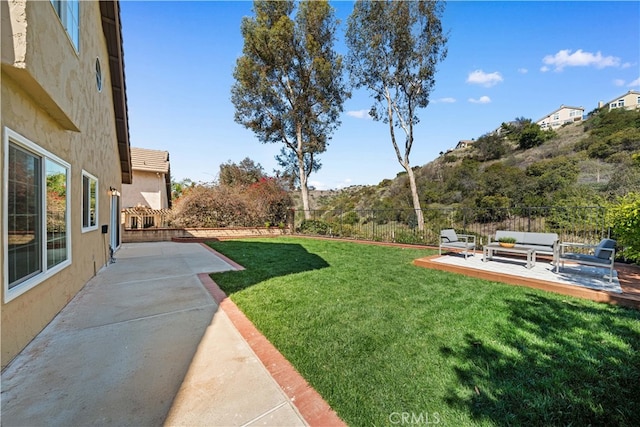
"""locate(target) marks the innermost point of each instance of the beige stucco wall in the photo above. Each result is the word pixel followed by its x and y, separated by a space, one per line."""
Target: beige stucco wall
pixel 147 189
pixel 52 83
pixel 630 101
pixel 564 116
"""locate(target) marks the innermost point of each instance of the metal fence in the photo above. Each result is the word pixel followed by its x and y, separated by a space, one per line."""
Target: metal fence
pixel 575 224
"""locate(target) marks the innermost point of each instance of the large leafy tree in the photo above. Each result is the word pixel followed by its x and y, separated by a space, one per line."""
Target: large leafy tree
pixel 244 173
pixel 394 47
pixel 289 87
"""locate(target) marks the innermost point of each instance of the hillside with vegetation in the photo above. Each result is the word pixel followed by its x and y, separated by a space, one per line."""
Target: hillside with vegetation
pixel 581 164
pixel 581 180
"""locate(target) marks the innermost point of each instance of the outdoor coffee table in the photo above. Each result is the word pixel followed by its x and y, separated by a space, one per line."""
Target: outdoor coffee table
pixel 491 248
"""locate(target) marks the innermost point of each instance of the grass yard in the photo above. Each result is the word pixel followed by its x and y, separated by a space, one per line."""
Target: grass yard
pixel 380 338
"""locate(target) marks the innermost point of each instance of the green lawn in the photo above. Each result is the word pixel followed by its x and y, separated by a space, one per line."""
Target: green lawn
pixel 378 338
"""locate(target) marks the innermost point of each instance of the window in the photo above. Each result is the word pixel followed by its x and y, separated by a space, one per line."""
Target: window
pixel 556 116
pixel 36 211
pixel 69 13
pixel 89 202
pixel 621 103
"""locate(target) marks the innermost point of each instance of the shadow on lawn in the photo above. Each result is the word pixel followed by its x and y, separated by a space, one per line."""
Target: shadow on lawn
pixel 554 363
pixel 263 261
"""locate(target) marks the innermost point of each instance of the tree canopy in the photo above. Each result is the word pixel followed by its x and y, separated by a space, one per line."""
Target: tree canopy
pixel 289 87
pixel 244 173
pixel 394 47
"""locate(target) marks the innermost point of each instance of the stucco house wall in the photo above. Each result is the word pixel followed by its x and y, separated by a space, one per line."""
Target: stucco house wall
pixel 147 189
pixel 151 186
pixel 50 98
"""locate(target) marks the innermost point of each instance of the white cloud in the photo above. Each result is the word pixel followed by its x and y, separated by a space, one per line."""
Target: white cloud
pixel 479 77
pixel 359 114
pixel 544 68
pixel 618 82
pixel 481 100
pixel 626 65
pixel 523 70
pixel 345 183
pixel 446 100
pixel 318 185
pixel 579 58
pixel 636 82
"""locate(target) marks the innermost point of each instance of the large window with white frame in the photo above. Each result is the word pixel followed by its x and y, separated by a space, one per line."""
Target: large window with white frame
pixel 69 13
pixel 36 211
pixel 89 202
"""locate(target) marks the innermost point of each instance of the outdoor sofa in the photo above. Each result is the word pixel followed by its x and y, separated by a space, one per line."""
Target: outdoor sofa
pixel 545 243
pixel 450 240
pixel 604 254
pixel 527 243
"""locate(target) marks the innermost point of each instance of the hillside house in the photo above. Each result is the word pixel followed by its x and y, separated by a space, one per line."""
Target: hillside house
pixel 65 155
pixel 561 116
pixel 629 101
pixel 464 143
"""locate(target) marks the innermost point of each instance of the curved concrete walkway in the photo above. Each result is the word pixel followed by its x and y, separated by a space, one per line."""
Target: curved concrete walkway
pixel 145 343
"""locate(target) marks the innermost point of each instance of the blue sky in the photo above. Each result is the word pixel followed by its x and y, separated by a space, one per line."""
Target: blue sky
pixel 506 59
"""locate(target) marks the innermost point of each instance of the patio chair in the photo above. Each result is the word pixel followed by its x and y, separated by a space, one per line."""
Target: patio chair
pixel 450 240
pixel 604 254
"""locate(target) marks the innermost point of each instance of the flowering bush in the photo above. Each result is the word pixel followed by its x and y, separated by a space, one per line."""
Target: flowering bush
pixel 232 206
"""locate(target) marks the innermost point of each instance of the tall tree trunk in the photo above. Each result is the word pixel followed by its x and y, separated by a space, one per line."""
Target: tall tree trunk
pixel 302 174
pixel 414 196
pixel 304 190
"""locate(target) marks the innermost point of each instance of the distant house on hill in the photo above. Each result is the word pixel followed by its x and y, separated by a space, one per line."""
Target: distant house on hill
pixel 151 186
pixel 628 101
pixel 464 143
pixel 561 116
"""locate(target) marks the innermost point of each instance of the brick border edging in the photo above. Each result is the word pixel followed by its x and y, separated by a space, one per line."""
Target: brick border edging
pixel 312 407
pixel 558 288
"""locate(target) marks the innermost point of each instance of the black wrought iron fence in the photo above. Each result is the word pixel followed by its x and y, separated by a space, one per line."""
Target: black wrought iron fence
pixel 576 224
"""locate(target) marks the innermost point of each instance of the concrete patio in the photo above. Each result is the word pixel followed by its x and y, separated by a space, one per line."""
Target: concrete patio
pixel 151 340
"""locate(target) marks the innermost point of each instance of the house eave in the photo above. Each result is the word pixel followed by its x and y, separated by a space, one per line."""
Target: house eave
pixel 112 29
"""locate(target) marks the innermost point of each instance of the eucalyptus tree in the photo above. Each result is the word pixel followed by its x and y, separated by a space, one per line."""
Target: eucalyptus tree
pixel 289 87
pixel 394 47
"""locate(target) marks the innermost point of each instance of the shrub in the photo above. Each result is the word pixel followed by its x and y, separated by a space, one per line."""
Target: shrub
pixel 211 207
pixel 313 226
pixel 532 136
pixel 233 206
pixel 624 219
pixel 408 237
pixel 495 208
pixel 267 201
pixel 490 147
pixel 350 218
